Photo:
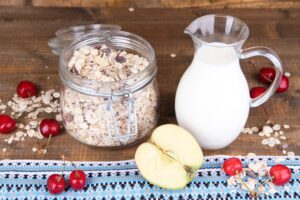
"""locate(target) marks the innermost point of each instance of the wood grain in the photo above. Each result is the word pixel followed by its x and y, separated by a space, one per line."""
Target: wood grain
pixel 24 54
pixel 270 4
pixel 14 2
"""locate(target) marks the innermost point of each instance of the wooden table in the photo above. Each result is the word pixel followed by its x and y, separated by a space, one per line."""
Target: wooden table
pixel 24 54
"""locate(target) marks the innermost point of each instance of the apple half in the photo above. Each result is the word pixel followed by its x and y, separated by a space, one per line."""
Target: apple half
pixel 170 158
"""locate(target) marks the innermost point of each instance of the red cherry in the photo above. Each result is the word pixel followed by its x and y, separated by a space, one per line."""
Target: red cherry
pixel 284 84
pixel 77 179
pixel 56 184
pixel 50 127
pixel 257 91
pixel 26 89
pixel 7 124
pixel 267 74
pixel 280 174
pixel 232 166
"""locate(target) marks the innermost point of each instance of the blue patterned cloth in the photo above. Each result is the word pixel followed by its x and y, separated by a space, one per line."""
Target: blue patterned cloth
pixel 26 179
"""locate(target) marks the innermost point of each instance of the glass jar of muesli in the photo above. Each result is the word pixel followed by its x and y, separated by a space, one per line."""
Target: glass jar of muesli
pixel 109 93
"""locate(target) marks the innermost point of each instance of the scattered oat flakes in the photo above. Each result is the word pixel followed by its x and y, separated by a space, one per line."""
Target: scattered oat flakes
pixel 2 107
pixel 268 122
pixel 56 94
pixel 251 155
pixel 286 126
pixel 34 149
pixel 290 153
pixel 284 152
pixel 172 55
pixel 4 150
pixel 283 137
pixel 287 74
pixel 276 127
pixel 261 133
pixel 231 181
pixel 267 130
pixel 131 9
pixel 255 129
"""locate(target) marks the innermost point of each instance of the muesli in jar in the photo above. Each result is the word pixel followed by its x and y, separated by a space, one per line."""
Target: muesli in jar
pixel 121 118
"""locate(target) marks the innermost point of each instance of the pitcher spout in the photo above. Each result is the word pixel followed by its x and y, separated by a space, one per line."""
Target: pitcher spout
pixel 211 29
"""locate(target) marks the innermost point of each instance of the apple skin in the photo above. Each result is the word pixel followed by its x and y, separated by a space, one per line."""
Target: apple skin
pixel 170 158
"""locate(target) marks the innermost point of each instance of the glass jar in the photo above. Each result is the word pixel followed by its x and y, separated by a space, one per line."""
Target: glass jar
pixel 115 113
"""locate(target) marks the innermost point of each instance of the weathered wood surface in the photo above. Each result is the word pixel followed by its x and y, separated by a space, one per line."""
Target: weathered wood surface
pixel 24 54
pixel 280 4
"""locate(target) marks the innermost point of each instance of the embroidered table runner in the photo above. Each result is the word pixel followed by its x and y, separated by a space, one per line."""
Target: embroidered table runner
pixel 26 179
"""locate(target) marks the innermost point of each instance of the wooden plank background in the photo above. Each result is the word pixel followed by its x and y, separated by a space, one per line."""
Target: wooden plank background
pixel 24 54
pixel 272 4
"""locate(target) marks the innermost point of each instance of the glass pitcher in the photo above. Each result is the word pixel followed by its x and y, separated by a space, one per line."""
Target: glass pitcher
pixel 212 98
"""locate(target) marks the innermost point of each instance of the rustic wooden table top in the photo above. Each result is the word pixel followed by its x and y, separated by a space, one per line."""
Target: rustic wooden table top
pixel 24 54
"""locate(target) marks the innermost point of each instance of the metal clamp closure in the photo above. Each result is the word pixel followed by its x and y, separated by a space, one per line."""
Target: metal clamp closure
pixel 132 119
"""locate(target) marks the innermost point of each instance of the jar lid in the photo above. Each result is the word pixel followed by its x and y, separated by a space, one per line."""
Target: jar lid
pixel 68 35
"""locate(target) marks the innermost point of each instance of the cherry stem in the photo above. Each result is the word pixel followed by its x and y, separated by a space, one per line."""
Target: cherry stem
pixel 72 163
pixel 49 140
pixel 252 192
pixel 266 181
pixel 64 164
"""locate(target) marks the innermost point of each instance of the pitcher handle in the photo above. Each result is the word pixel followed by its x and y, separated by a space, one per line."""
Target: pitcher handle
pixel 273 57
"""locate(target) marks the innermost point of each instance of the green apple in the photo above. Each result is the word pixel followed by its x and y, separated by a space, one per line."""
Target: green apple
pixel 170 158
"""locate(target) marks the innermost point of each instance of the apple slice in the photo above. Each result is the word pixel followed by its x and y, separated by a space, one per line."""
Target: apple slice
pixel 170 158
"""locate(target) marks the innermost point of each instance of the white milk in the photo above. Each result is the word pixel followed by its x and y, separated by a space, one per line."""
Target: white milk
pixel 212 98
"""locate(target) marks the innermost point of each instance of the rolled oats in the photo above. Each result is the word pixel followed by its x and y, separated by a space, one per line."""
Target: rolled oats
pixel 131 9
pixel 267 130
pixel 287 74
pixel 276 127
pixel 255 129
pixel 286 126
pixel 87 117
pixel 290 153
pixel 2 107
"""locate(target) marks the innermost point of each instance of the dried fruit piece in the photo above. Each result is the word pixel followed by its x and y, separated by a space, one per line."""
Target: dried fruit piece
pixel 120 59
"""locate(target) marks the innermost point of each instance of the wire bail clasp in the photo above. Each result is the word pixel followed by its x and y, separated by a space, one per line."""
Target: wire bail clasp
pixel 132 118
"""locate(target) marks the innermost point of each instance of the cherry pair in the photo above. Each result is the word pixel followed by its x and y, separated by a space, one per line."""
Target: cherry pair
pixel 279 174
pixel 47 126
pixel 56 183
pixel 267 75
